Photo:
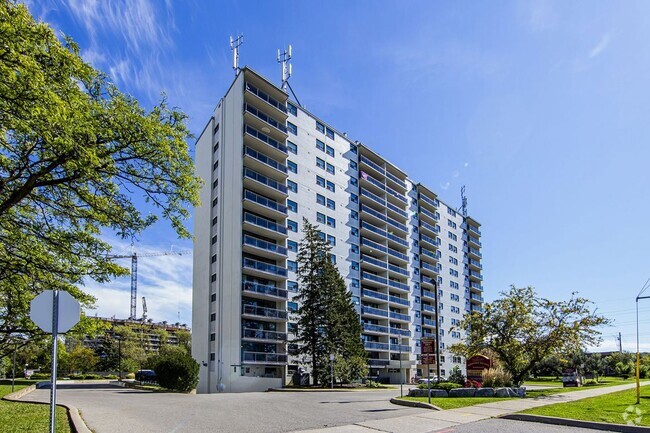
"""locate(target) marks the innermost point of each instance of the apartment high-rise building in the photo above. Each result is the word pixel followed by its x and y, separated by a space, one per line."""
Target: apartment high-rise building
pixel 266 164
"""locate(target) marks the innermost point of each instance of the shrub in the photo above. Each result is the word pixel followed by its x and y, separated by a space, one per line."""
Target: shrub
pixel 110 376
pixel 92 376
pixel 643 371
pixel 441 385
pixel 130 376
pixel 177 371
pixel 40 376
pixel 76 376
pixel 496 378
pixel 624 369
pixel 456 376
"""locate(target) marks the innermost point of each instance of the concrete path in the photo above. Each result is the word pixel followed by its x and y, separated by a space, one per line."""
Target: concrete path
pixel 432 421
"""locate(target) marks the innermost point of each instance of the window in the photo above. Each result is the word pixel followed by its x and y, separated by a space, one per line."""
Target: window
pixel 292 246
pixel 322 236
pixel 292 286
pixel 215 165
pixel 452 236
pixel 215 201
pixel 451 224
pixel 320 145
pixel 354 198
pixel 331 222
pixel 329 150
pixel 455 310
pixel 450 211
pixel 292 147
pixel 292 206
pixel 353 165
pixel 213 278
pixel 215 220
pixel 213 317
pixel 453 248
pixel 292 226
pixel 216 129
pixel 292 109
pixel 292 327
pixel 453 260
pixel 213 297
pixel 213 336
pixel 354 266
pixel 354 248
pixel 292 306
pixel 453 285
pixel 356 300
pixel 354 214
pixel 331 186
pixel 214 240
pixel 454 297
pixel 354 232
pixel 320 199
pixel 329 133
pixel 354 181
pixel 353 148
pixel 333 259
pixel 213 259
pixel 331 240
pixel 292 266
pixel 320 181
pixel 453 272
pixel 331 204
pixel 216 147
pixel 292 186
pixel 292 166
pixel 320 218
pixel 354 283
pixel 330 168
pixel 320 127
pixel 320 163
pixel 292 128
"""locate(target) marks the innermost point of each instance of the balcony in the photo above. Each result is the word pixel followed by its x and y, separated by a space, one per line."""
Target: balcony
pixel 434 228
pixel 400 212
pixel 476 308
pixel 398 285
pixel 261 141
pixel 427 280
pixel 367 276
pixel 398 300
pixel 473 241
pixel 380 170
pixel 400 331
pixel 431 202
pixel 431 241
pixel 403 257
pixel 261 334
pixel 476 275
pixel 373 294
pixel 373 197
pixel 475 297
pixel 264 227
pixel 400 316
pixel 378 362
pixel 267 292
pixel 280 106
pixel 262 312
pixel 474 252
pixel 374 311
pixel 404 348
pixel 429 308
pixel 264 164
pixel 373 345
pixel 383 218
pixel 429 267
pixel 264 270
pixel 398 270
pixel 475 286
pixel 263 248
pixel 428 294
pixel 263 358
pixel 474 264
pixel 263 117
pixel 373 245
pixel 395 179
pixel 428 214
pixel 474 230
pixel 264 205
pixel 270 187
pixel 373 261
pixel 368 327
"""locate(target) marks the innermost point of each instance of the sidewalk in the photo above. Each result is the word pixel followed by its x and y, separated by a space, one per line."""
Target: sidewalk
pixel 438 420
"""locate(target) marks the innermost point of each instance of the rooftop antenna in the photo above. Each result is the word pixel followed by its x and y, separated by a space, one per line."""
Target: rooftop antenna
pixel 463 199
pixel 284 58
pixel 234 47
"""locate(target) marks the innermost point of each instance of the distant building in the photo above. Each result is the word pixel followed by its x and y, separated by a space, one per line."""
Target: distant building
pixel 148 333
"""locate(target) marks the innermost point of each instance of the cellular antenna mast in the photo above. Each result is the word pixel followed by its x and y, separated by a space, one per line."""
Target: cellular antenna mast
pixel 234 47
pixel 463 198
pixel 284 58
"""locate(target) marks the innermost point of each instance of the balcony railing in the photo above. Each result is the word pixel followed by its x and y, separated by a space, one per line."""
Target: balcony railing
pixel 372 164
pixel 432 202
pixel 265 138
pixel 264 267
pixel 372 277
pixel 266 202
pixel 374 294
pixel 262 289
pixel 263 96
pixel 430 240
pixel 477 308
pixel 261 357
pixel 399 300
pixel 264 312
pixel 383 217
pixel 399 316
pixel 397 254
pixel 262 334
pixel 375 311
pixel 265 159
pixel 375 328
pixel 376 345
pixel 428 266
pixel 396 180
pixel 430 214
pixel 475 252
pixel 476 275
pixel 400 348
pixel 378 362
pixel 398 285
pixel 252 174
pixel 261 222
pixel 399 270
pixel 428 294
pixel 474 241
pixel 476 297
pixel 265 118
pixel 373 261
pixel 425 252
pixel 371 244
pixel 374 197
pixel 475 230
pixel 429 322
pixel 476 286
pixel 395 209
pixel 435 229
pixel 429 308
pixel 399 331
pixel 264 245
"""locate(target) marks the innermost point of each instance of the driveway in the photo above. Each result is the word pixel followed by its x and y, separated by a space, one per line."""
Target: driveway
pixel 108 409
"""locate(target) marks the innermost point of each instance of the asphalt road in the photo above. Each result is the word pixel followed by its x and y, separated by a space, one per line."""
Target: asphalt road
pixel 108 409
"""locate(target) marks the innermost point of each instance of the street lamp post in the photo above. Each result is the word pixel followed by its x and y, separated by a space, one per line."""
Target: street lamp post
pixel 401 373
pixel 435 284
pixel 13 371
pixel 331 370
pixel 638 355
pixel 119 357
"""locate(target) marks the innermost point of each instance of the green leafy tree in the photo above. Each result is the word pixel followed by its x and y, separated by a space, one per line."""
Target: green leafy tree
pixel 550 365
pixel 595 364
pixel 327 320
pixel 625 369
pixel 522 329
pixel 74 153
pixel 456 376
pixel 82 359
pixel 176 370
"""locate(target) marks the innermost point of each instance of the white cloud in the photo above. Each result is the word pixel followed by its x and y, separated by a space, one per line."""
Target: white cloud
pixel 455 173
pixel 445 185
pixel 466 164
pixel 600 47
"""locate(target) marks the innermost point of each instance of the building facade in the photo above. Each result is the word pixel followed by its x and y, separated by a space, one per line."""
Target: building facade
pixel 267 164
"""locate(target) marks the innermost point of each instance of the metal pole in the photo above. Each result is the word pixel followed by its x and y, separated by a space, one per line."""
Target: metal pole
pixel 13 372
pixel 435 284
pixel 428 380
pixel 332 371
pixel 119 358
pixel 401 373
pixel 638 385
pixel 55 326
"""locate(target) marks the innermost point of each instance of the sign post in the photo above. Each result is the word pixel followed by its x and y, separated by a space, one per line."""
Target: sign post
pixel 55 312
pixel 427 351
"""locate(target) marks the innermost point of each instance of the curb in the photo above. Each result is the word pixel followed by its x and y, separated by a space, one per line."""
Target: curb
pixel 315 389
pixel 623 428
pixel 410 403
pixel 77 423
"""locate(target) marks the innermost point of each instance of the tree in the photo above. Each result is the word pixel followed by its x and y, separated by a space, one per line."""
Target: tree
pixel 82 359
pixel 74 152
pixel 595 364
pixel 625 369
pixel 327 320
pixel 176 370
pixel 523 328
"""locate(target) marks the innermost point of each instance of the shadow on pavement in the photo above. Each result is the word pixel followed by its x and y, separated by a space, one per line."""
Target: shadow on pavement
pixel 48 385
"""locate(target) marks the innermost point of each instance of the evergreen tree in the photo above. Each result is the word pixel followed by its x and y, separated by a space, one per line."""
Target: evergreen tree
pixel 327 320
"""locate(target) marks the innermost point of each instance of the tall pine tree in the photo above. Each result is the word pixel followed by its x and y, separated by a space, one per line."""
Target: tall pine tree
pixel 327 320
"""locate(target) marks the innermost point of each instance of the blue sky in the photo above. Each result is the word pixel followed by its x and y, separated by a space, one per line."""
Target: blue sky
pixel 540 108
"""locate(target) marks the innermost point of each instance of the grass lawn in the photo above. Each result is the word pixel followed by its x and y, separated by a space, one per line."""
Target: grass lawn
pixel 25 417
pixel 605 382
pixel 608 408
pixel 456 402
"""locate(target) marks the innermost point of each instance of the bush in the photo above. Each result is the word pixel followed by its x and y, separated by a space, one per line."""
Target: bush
pixel 643 371
pixel 372 384
pixel 456 376
pixel 40 376
pixel 92 376
pixel 496 378
pixel 76 376
pixel 110 376
pixel 625 369
pixel 177 371
pixel 130 376
pixel 441 385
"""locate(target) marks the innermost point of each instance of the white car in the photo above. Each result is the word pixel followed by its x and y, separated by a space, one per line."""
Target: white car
pixel 433 379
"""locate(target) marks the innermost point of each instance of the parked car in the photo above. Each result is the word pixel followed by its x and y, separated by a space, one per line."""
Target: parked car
pixel 146 376
pixel 433 379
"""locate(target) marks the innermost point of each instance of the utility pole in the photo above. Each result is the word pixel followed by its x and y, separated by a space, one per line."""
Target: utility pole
pixel 638 355
pixel 620 343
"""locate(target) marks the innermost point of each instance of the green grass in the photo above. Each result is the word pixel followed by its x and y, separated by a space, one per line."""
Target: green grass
pixel 605 382
pixel 25 417
pixel 456 402
pixel 608 408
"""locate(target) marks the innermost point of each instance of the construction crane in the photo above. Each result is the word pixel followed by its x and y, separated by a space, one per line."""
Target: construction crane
pixel 144 309
pixel 134 273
